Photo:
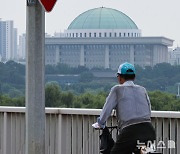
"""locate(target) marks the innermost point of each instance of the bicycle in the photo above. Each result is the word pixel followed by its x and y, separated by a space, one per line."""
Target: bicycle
pixel 143 148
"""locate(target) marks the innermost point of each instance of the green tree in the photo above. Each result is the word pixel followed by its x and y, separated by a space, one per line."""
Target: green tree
pixel 67 99
pixel 5 100
pixel 161 101
pixel 52 94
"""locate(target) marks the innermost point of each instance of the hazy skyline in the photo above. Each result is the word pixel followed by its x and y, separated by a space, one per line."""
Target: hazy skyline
pixel 153 17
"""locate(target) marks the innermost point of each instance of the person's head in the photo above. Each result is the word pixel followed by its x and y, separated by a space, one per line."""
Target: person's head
pixel 126 71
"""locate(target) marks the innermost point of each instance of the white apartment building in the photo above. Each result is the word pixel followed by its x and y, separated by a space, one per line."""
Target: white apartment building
pixel 8 40
pixel 22 47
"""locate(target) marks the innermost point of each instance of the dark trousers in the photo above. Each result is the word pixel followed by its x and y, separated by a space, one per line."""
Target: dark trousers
pixel 131 135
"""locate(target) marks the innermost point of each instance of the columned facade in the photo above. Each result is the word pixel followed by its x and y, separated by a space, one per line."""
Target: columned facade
pixel 106 57
pixel 82 55
pixel 132 54
pixel 57 57
pixel 107 53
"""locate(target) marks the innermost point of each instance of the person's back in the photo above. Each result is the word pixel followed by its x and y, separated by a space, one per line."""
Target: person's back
pixel 133 109
pixel 133 104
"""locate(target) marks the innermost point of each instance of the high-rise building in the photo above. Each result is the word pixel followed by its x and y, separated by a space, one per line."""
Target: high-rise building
pixel 8 40
pixel 105 37
pixel 0 39
pixel 14 55
pixel 22 47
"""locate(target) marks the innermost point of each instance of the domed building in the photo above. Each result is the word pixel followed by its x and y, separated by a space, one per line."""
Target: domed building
pixel 104 38
pixel 102 22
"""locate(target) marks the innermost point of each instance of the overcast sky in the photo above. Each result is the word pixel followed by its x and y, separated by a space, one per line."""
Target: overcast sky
pixel 153 17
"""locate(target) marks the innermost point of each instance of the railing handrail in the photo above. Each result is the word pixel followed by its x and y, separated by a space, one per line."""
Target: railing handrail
pixel 82 111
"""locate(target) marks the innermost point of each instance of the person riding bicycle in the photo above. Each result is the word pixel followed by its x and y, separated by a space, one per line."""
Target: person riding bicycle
pixel 133 111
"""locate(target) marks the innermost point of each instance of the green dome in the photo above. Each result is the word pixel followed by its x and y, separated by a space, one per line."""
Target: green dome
pixel 102 18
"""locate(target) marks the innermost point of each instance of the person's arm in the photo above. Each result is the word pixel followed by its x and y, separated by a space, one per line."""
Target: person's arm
pixel 148 100
pixel 110 104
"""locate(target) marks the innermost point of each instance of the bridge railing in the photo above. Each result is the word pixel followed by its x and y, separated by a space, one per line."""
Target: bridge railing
pixel 69 131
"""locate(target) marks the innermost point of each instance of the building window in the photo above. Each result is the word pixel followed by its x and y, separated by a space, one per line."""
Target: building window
pixel 73 34
pixel 80 34
pixel 94 34
pixel 76 34
pixel 84 34
pixel 104 34
pixel 132 34
pixel 119 34
pixel 128 34
pixel 89 34
pixel 114 34
pixel 109 34
pixel 124 34
pixel 99 34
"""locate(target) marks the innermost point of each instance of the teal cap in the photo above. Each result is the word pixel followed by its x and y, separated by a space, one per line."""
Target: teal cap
pixel 126 68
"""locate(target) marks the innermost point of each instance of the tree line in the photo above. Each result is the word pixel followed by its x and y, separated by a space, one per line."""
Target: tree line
pixel 163 77
pixel 159 80
pixel 55 97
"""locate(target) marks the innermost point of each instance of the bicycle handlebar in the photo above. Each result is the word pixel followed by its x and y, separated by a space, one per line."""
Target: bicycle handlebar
pixel 109 127
pixel 112 126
